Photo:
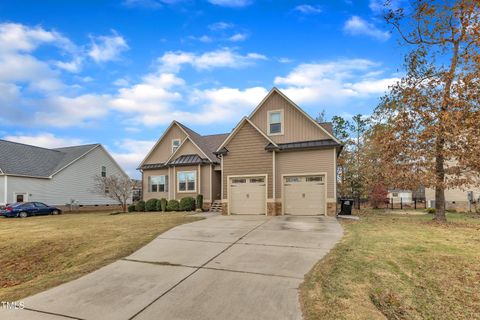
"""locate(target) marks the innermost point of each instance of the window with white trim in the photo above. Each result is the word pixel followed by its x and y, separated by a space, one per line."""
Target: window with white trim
pixel 275 122
pixel 158 183
pixel 187 181
pixel 104 171
pixel 175 144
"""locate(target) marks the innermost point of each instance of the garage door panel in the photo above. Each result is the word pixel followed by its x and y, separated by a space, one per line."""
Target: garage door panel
pixel 304 195
pixel 247 195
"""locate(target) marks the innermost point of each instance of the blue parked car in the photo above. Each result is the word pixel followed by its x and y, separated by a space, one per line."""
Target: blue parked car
pixel 25 209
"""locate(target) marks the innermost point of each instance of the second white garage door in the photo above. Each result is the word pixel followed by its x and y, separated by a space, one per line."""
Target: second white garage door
pixel 247 195
pixel 304 195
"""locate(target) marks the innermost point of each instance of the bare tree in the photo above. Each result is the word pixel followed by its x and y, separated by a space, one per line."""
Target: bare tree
pixel 115 187
pixel 431 117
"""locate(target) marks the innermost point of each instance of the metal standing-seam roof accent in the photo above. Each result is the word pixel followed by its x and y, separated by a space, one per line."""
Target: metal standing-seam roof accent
pixel 31 161
pixel 315 144
pixel 188 159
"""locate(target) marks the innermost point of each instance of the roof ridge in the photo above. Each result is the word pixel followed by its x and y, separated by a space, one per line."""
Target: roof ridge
pixel 77 146
pixel 215 134
pixel 30 145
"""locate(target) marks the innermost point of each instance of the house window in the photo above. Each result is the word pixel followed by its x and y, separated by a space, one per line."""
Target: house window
pixel 187 181
pixel 104 171
pixel 275 122
pixel 158 184
pixel 175 144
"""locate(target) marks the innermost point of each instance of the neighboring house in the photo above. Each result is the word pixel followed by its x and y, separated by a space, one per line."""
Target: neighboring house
pixel 456 198
pixel 278 160
pixel 60 177
pixel 396 195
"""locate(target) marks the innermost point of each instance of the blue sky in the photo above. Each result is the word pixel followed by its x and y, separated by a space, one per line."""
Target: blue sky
pixel 118 72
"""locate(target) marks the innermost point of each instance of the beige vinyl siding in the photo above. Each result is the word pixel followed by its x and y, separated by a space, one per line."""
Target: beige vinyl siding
pixel 247 156
pixel 180 195
pixel 308 161
pixel 455 194
pixel 163 150
pixel 297 127
pixel 187 148
pixel 205 182
pixel 150 195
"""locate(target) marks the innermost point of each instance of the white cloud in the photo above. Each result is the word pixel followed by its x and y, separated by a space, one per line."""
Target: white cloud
pixel 44 140
pixel 358 26
pixel 284 60
pixel 378 6
pixel 334 82
pixel 238 37
pixel 231 3
pixel 121 82
pixel 226 58
pixel 62 111
pixel 220 26
pixel 16 37
pixel 107 48
pixel 131 154
pixel 308 9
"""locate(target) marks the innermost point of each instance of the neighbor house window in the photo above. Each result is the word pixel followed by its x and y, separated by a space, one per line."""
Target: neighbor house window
pixel 104 171
pixel 158 184
pixel 275 122
pixel 175 144
pixel 187 181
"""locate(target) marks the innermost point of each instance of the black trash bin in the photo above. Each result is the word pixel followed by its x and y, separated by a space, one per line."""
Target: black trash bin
pixel 346 206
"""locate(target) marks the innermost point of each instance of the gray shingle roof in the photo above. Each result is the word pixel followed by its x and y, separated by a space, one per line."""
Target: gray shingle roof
pixel 208 144
pixel 26 160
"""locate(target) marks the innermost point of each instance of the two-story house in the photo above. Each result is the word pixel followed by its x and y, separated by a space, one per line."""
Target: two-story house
pixel 278 160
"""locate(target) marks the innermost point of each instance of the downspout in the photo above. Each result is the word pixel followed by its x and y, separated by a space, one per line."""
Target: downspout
pixel 5 192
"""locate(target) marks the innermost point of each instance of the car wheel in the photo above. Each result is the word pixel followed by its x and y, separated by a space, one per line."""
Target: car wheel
pixel 55 212
pixel 22 214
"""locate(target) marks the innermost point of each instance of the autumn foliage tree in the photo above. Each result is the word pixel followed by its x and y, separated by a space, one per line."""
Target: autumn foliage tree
pixel 431 118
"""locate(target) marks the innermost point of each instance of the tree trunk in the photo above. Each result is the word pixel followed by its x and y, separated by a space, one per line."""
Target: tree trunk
pixel 439 185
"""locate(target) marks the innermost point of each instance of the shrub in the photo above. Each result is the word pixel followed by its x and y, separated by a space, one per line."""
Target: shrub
pixel 158 205
pixel 131 207
pixel 140 206
pixel 378 196
pixel 151 205
pixel 173 205
pixel 200 201
pixel 163 204
pixel 430 210
pixel 187 204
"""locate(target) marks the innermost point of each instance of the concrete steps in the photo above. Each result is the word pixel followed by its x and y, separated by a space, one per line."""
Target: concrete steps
pixel 216 206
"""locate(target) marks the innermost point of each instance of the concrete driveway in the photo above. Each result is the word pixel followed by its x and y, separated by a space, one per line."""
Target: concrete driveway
pixel 224 267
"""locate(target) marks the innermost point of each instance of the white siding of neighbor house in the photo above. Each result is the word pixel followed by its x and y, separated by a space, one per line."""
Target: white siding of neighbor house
pixel 2 190
pixel 454 194
pixel 75 182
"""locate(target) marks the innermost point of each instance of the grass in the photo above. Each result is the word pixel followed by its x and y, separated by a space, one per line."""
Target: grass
pixel 398 267
pixel 38 253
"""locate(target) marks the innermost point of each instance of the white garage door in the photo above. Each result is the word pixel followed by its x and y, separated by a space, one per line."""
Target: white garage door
pixel 247 195
pixel 304 195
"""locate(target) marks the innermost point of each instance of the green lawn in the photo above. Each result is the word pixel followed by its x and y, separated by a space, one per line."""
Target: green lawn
pixel 398 267
pixel 37 253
